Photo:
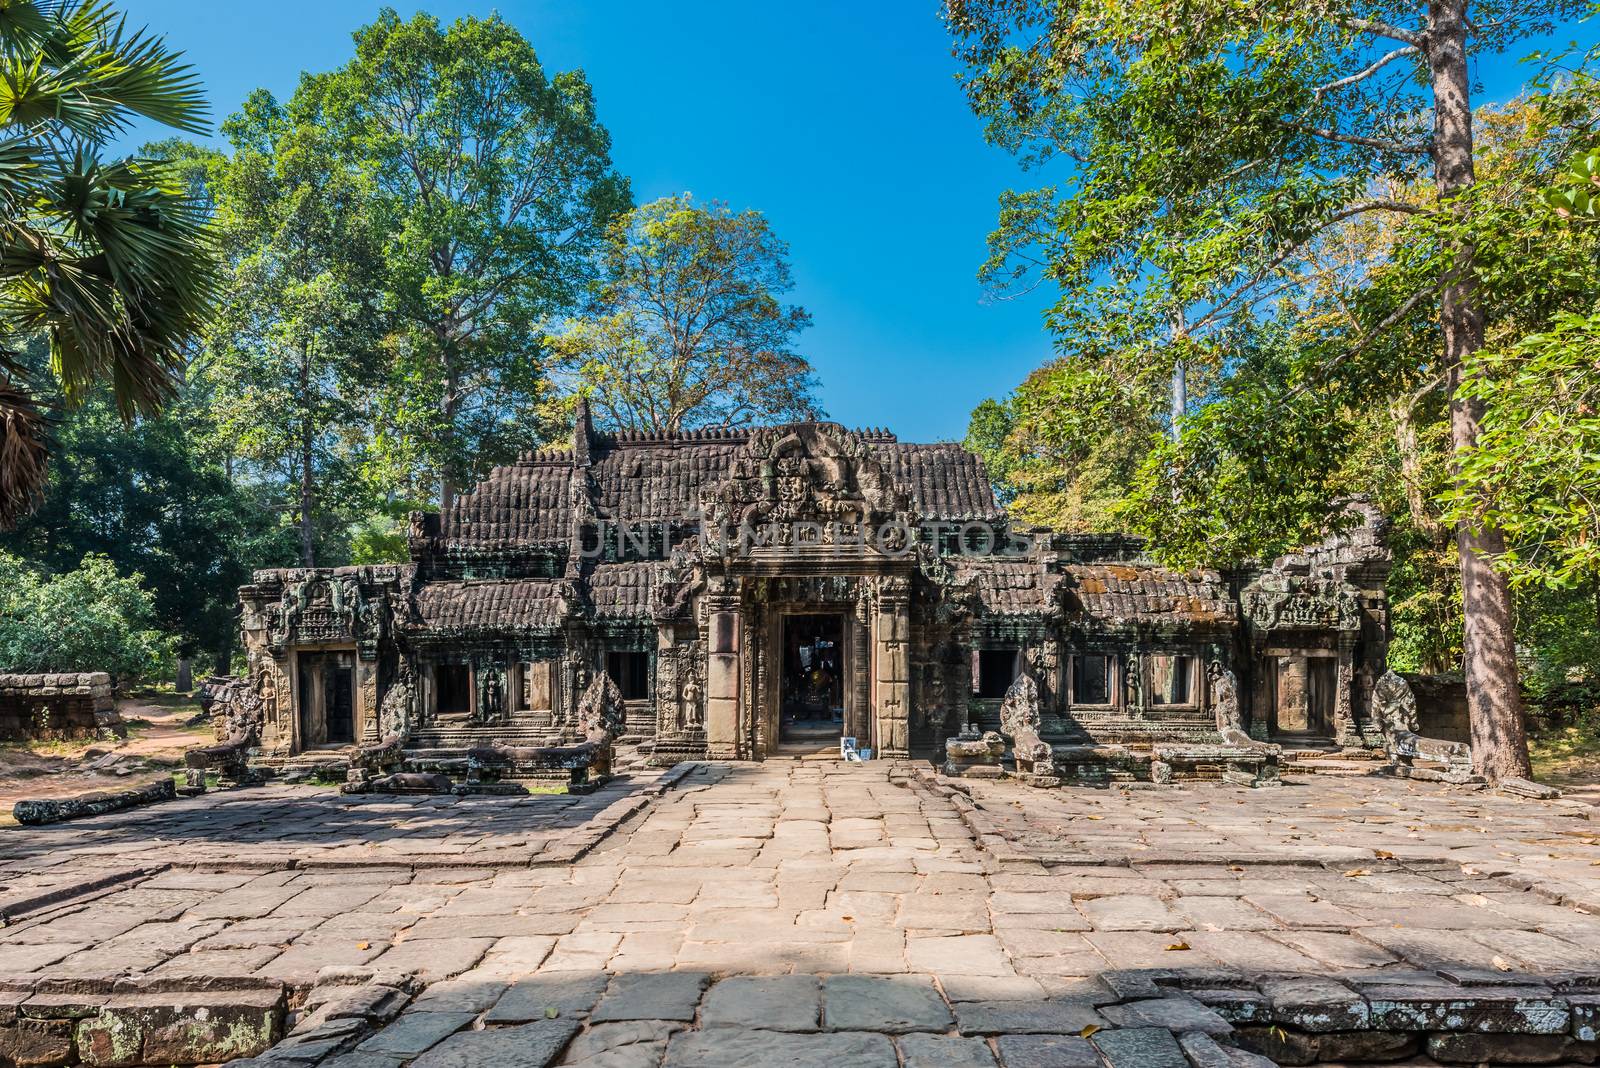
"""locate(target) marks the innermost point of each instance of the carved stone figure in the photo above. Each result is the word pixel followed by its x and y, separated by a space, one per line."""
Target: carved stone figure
pixel 493 696
pixel 1225 701
pixel 1019 721
pixel 1394 706
pixel 397 712
pixel 690 716
pixel 601 708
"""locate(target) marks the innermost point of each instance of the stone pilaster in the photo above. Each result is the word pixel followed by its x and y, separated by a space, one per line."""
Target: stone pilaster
pixel 891 640
pixel 722 674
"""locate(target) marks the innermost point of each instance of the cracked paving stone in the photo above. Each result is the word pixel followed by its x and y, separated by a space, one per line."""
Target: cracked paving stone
pixel 1176 1013
pixel 532 1045
pixel 943 1051
pixel 780 1003
pixel 890 1004
pixel 661 996
pixel 732 1048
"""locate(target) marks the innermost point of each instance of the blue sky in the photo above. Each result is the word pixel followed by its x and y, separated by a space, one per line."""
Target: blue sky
pixel 840 120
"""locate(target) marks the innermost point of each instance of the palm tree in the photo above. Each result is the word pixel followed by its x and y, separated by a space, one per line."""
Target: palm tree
pixel 109 260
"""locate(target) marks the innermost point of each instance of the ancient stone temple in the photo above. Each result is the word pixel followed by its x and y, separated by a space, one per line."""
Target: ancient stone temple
pixel 753 590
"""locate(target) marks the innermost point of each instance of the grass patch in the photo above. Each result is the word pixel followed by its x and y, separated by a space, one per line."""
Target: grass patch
pixel 1568 753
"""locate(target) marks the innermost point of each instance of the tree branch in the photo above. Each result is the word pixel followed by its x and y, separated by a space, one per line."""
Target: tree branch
pixel 1362 75
pixel 1383 29
pixel 1354 139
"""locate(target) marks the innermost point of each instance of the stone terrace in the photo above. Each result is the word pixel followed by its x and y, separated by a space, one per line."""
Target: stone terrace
pixel 799 912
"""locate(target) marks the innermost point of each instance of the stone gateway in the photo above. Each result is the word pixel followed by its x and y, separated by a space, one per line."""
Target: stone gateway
pixel 743 591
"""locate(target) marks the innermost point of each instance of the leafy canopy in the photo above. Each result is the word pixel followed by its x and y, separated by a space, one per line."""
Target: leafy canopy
pixel 688 328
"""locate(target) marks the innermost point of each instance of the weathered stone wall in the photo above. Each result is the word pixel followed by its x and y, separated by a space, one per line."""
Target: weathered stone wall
pixel 1441 707
pixel 72 705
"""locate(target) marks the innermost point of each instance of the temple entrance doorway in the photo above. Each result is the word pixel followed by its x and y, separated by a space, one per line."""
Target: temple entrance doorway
pixel 327 699
pixel 1305 695
pixel 812 686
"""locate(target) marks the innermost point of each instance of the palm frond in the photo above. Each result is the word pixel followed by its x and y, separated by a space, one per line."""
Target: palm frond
pixel 24 455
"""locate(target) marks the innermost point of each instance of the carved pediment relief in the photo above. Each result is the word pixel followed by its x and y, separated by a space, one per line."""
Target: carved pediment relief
pixel 817 472
pixel 1290 602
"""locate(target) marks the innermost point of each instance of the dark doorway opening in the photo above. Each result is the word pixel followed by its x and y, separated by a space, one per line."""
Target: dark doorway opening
pixel 631 672
pixel 339 705
pixel 813 678
pixel 452 690
pixel 327 699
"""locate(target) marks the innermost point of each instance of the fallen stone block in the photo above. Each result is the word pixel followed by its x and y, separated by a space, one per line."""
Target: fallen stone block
pixel 1537 791
pixel 38 812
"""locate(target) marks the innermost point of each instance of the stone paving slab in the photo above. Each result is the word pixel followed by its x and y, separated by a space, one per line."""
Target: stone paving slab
pixel 854 914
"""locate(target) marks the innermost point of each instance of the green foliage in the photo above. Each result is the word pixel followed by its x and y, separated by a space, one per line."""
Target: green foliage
pixel 88 619
pixel 153 498
pixel 299 334
pixel 1064 446
pixel 106 258
pixel 1535 469
pixel 1577 192
pixel 988 431
pixel 687 328
pixel 492 185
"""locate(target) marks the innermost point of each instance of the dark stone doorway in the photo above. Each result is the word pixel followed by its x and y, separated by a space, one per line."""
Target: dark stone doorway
pixel 327 699
pixel 813 678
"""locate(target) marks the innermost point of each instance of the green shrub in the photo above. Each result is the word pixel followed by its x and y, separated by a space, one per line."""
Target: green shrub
pixel 90 619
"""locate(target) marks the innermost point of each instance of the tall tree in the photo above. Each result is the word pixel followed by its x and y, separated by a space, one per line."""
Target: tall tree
pixel 105 257
pixel 1217 148
pixel 299 332
pixel 688 328
pixel 496 184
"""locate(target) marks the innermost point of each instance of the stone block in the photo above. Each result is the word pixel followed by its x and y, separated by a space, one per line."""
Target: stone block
pixel 727 1047
pixel 534 997
pixel 1139 1047
pixel 1059 1016
pixel 663 996
pixel 943 1051
pixel 1511 1049
pixel 1315 1004
pixel 1514 1010
pixel 36 1043
pixel 1047 1051
pixel 1175 1012
pixel 413 1032
pixel 173 1028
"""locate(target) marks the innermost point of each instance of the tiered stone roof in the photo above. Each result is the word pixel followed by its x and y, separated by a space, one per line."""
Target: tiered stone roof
pixel 1144 593
pixel 474 607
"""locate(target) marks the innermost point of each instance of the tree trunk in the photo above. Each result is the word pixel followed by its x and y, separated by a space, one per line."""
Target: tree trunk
pixel 1494 697
pixel 308 489
pixel 449 406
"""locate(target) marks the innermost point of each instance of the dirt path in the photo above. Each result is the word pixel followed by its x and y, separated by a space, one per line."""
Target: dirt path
pixel 159 731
